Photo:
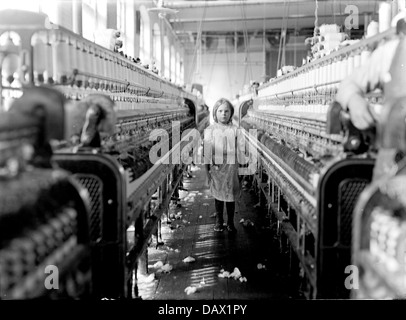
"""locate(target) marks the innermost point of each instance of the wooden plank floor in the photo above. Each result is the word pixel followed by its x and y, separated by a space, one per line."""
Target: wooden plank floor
pixel 193 235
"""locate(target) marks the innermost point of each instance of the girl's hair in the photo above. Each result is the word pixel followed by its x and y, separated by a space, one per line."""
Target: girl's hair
pixel 218 104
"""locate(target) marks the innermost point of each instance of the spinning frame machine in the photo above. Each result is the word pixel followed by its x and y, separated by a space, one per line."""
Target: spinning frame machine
pixel 314 178
pixel 113 104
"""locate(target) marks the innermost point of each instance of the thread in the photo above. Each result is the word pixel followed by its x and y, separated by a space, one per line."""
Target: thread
pixel 385 16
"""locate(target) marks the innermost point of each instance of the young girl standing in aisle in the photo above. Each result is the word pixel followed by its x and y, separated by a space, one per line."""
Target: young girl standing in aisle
pixel 221 145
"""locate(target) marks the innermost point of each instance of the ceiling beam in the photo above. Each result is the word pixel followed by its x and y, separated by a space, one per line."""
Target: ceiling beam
pixel 225 20
pixel 254 25
pixel 220 3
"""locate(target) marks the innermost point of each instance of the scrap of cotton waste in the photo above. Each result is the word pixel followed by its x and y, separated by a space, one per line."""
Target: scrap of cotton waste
pixel 158 265
pixel 163 268
pixel 190 290
pixel 166 268
pixel 200 217
pixel 247 223
pixel 224 274
pixel 189 259
pixel 236 274
pixel 261 266
pixel 146 279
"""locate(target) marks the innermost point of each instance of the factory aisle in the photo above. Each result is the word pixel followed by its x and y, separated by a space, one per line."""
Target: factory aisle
pixel 188 233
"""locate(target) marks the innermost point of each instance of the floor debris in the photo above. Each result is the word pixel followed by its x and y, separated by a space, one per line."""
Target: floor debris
pixel 166 268
pixel 146 279
pixel 158 265
pixel 189 259
pixel 247 223
pixel 261 266
pixel 236 275
pixel 190 290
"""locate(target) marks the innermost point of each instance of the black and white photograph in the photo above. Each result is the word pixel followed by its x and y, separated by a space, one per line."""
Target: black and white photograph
pixel 199 158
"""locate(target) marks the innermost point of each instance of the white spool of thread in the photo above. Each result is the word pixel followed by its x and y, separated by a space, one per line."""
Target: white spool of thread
pixel 332 69
pixel 337 71
pixel 350 64
pixel 39 57
pixel 372 29
pixel 10 63
pixel 60 58
pixel 343 68
pixel 96 65
pixel 307 79
pixel 80 60
pixel 49 72
pixel 72 56
pixel 385 16
pixel 357 59
pixel 110 71
pixel 311 77
pixel 90 58
pixel 115 75
pixel 365 56
pixel 103 68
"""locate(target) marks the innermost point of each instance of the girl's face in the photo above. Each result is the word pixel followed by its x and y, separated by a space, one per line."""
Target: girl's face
pixel 223 114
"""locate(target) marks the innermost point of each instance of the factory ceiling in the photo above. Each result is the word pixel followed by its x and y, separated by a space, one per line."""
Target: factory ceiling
pixel 261 18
